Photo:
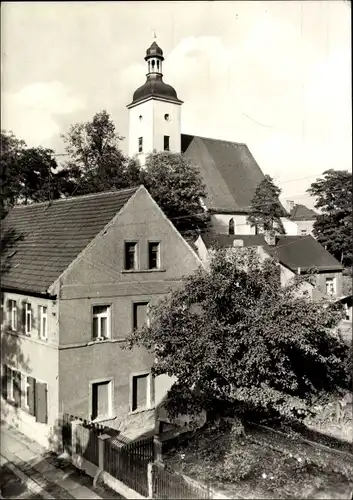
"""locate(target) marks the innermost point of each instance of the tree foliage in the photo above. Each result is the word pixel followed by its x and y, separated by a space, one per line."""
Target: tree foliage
pixel 28 174
pixel 236 339
pixel 333 227
pixel 176 185
pixel 266 210
pixel 96 161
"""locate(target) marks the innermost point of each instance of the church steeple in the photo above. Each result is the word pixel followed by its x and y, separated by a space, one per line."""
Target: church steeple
pixel 154 121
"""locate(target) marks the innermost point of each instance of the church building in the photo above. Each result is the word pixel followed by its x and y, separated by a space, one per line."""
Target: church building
pixel 228 169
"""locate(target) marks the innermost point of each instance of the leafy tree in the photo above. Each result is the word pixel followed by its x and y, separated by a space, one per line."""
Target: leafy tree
pixel 333 227
pixel 96 161
pixel 266 209
pixel 176 185
pixel 238 341
pixel 27 174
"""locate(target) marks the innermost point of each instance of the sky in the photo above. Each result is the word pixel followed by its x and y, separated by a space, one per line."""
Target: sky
pixel 275 75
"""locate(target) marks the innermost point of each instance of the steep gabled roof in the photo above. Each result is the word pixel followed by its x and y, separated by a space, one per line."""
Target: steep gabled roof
pixel 301 212
pixel 228 169
pixel 47 238
pixel 294 252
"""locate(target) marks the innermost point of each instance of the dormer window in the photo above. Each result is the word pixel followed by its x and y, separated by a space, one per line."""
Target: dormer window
pixel 140 143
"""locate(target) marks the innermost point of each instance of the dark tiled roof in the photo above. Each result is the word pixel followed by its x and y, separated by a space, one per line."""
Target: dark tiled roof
pixel 292 251
pixel 50 237
pixel 301 212
pixel 228 169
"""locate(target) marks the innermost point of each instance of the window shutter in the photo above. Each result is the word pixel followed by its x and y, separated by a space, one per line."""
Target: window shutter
pixel 32 395
pixel 41 402
pixel 17 388
pixel 4 381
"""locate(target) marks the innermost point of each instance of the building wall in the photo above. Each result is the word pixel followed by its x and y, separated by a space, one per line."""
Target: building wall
pixel 321 282
pixel 34 357
pixel 98 277
pixel 305 225
pixel 220 224
pixel 147 120
pixel 290 227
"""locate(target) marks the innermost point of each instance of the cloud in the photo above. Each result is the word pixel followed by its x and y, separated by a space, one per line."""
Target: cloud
pixel 32 112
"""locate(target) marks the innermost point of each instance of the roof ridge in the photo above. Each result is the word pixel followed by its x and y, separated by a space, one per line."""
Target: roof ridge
pixel 79 197
pixel 218 140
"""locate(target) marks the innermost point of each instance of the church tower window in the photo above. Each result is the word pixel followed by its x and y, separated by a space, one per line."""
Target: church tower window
pixel 231 227
pixel 140 144
pixel 166 143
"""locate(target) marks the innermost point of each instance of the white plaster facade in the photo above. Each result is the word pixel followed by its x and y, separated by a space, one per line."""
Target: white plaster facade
pixel 152 119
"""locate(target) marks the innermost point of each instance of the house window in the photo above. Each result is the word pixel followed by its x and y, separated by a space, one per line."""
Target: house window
pixel 166 143
pixel 101 322
pixel 231 227
pixel 153 256
pixel 140 144
pixel 28 318
pixel 141 392
pixel 303 232
pixel 101 400
pixel 13 314
pixel 43 322
pixel 130 256
pixel 14 386
pixel 330 286
pixel 140 315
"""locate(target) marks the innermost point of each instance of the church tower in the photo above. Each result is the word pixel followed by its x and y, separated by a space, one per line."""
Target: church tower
pixel 154 113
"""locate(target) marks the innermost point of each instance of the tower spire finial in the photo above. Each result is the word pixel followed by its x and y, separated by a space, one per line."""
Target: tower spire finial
pixel 154 33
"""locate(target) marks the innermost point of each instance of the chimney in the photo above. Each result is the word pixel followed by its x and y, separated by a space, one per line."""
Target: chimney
pixel 290 205
pixel 270 237
pixel 238 243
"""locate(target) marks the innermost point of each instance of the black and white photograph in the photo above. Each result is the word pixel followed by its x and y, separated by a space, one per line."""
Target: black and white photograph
pixel 176 250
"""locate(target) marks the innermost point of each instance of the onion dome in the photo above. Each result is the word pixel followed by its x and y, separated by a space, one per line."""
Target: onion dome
pixel 154 85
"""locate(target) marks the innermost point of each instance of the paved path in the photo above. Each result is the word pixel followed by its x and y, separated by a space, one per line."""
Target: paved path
pixel 42 474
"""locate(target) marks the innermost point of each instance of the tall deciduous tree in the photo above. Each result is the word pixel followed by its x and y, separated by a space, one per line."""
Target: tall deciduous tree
pixel 333 227
pixel 266 210
pixel 95 157
pixel 28 174
pixel 176 185
pixel 235 338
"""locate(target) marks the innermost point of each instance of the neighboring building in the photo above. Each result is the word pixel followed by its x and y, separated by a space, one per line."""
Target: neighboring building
pixel 346 324
pixel 81 274
pixel 296 255
pixel 302 216
pixel 228 169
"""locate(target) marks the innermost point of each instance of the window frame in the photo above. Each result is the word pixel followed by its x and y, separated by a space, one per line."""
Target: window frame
pixel 43 335
pixel 140 144
pixel 110 381
pixel 333 280
pixel 159 255
pixel 28 309
pixel 149 392
pixel 24 390
pixel 166 139
pixel 126 253
pixel 13 314
pixel 136 303
pixel 10 381
pixel 100 315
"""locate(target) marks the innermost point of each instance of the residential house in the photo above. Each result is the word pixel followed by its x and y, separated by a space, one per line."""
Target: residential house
pixel 295 254
pixel 302 216
pixel 80 275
